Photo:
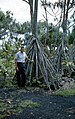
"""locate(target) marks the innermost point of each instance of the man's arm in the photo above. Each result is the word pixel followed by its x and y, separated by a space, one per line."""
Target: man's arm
pixel 29 59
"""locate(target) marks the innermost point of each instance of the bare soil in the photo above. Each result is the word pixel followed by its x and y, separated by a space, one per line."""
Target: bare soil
pixel 51 106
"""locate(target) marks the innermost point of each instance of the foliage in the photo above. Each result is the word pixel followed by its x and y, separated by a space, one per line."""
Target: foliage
pixel 28 103
pixel 2 17
pixel 67 68
pixel 7 107
pixel 71 36
pixel 7 60
pixel 66 92
pixel 9 31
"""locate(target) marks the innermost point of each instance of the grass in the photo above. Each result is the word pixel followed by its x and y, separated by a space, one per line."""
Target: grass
pixel 27 103
pixel 7 108
pixel 66 92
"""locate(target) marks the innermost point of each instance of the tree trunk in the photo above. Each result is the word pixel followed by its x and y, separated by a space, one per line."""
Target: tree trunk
pixel 33 12
pixel 34 19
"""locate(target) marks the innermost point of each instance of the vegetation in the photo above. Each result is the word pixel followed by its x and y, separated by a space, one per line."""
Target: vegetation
pixel 7 107
pixel 70 91
pixel 65 92
pixel 51 50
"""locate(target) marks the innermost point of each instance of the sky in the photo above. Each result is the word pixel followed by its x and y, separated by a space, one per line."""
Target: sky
pixel 20 9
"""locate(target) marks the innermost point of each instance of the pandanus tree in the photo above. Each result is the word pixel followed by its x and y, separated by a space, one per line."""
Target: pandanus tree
pixel 62 11
pixel 67 11
pixel 42 65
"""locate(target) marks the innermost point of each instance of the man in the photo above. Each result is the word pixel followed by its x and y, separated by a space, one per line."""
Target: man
pixel 20 67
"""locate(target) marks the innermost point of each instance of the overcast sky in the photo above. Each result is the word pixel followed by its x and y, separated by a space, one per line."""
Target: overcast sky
pixel 20 9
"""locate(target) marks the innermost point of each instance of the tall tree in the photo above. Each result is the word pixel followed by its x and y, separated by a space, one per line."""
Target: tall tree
pixel 41 65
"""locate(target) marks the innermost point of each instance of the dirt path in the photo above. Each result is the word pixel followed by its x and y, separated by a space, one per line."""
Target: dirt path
pixel 49 106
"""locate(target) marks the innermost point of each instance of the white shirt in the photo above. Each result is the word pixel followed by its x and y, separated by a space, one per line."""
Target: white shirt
pixel 20 57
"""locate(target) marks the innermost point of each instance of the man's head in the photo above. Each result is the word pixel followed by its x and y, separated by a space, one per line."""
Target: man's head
pixel 22 49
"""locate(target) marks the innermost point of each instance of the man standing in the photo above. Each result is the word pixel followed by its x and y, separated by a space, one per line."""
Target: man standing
pixel 20 67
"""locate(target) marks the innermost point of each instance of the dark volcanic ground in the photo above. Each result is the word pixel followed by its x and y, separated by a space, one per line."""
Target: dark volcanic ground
pixel 51 106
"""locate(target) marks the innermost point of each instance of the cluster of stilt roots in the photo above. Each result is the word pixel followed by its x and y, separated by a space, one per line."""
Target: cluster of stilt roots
pixel 42 65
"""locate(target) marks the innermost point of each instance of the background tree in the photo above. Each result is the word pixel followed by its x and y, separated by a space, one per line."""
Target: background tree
pixel 62 16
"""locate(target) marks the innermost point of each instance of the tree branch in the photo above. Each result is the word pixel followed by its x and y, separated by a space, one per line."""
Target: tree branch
pixel 26 1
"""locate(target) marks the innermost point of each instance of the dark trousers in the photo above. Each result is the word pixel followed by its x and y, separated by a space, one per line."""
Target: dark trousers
pixel 21 74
